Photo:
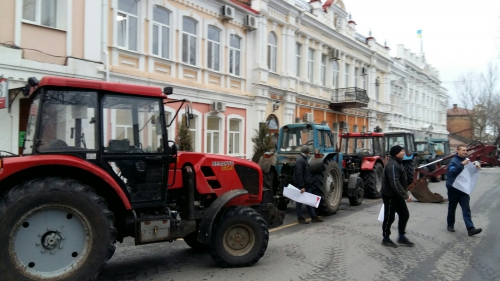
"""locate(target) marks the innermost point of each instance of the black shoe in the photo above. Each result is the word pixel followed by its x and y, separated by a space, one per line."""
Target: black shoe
pixel 389 243
pixel 474 231
pixel 316 219
pixel 303 220
pixel 451 229
pixel 403 241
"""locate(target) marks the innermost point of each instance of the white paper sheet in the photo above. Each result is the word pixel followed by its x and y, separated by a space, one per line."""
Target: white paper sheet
pixel 466 180
pixel 305 198
pixel 381 214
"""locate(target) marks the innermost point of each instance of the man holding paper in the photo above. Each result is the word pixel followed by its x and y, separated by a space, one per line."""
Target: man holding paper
pixel 303 180
pixel 456 174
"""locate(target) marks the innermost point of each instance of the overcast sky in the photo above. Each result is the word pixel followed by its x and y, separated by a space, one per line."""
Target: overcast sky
pixel 458 36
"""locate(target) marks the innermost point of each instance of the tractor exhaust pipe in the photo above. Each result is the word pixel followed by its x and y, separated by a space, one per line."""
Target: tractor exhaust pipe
pixel 188 183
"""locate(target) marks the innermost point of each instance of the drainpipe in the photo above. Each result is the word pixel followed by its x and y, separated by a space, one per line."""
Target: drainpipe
pixel 104 38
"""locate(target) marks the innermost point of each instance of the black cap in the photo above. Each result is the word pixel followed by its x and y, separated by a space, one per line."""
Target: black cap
pixel 395 150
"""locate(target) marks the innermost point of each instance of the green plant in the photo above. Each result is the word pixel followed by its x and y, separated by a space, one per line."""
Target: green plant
pixel 262 142
pixel 183 138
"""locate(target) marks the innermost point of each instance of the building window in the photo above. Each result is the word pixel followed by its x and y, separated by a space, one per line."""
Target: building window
pixel 192 130
pixel 213 135
pixel 377 89
pixel 189 41
pixel 323 69
pixel 335 75
pixel 213 48
pixel 310 65
pixel 346 82
pixel 234 54
pixel 356 74
pixel 272 49
pixel 161 32
pixel 234 136
pixel 363 81
pixel 297 59
pixel 42 12
pixel 127 24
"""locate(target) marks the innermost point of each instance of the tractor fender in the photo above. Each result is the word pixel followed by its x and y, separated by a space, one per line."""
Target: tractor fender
pixel 317 165
pixel 205 232
pixel 267 161
pixel 369 163
pixel 351 186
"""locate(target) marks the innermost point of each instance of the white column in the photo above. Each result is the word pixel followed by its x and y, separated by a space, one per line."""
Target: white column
pixel 317 64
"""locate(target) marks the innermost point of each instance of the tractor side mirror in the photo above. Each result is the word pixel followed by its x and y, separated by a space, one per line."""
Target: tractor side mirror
pixel 188 115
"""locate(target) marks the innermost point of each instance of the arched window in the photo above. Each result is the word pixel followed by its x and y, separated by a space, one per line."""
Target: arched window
pixel 161 32
pixel 189 41
pixel 213 48
pixel 272 49
pixel 273 125
pixel 234 55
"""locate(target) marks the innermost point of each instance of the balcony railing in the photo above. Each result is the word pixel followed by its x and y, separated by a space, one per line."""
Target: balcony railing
pixel 303 4
pixel 349 98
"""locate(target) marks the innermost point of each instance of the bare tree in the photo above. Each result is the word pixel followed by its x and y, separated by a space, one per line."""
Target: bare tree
pixel 478 92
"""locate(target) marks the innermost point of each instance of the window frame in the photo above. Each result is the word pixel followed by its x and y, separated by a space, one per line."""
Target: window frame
pixel 60 13
pixel 215 56
pixel 232 58
pixel 190 36
pixel 272 52
pixel 346 66
pixel 241 133
pixel 335 74
pixel 324 60
pixel 298 48
pixel 160 27
pixel 127 39
pixel 310 64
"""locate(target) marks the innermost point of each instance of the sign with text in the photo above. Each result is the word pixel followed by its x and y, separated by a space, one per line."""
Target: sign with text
pixel 4 93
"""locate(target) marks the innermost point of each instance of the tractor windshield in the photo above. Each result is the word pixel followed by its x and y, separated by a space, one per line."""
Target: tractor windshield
pixel 294 138
pixel 68 121
pixel 422 147
pixel 360 145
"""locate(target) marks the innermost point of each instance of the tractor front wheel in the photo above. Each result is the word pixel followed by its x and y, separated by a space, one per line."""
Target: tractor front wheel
pixel 239 238
pixel 54 229
pixel 357 198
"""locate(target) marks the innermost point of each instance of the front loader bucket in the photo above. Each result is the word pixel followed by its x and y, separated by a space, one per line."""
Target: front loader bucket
pixel 420 190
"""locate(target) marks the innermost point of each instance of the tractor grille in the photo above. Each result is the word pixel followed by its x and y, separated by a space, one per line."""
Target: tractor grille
pixel 249 177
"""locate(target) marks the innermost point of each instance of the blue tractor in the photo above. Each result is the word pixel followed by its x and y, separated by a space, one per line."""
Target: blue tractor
pixel 405 139
pixel 325 162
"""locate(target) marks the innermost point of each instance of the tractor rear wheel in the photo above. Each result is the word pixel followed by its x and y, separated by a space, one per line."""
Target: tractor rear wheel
pixel 54 229
pixel 239 238
pixel 192 241
pixel 330 184
pixel 373 181
pixel 357 198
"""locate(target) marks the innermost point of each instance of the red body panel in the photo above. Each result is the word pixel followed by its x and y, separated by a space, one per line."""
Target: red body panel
pixel 17 164
pixel 102 85
pixel 369 162
pixel 225 174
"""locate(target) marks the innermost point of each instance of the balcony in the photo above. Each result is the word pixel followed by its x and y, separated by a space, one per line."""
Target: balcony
pixel 349 98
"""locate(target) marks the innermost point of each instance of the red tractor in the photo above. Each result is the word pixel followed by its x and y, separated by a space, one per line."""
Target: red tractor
pixel 97 167
pixel 364 153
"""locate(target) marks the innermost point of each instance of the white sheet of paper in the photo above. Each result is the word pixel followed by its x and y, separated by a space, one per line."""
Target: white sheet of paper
pixel 305 198
pixel 466 180
pixel 381 214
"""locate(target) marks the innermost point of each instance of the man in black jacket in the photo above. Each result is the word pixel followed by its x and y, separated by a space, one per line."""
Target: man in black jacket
pixel 303 180
pixel 394 195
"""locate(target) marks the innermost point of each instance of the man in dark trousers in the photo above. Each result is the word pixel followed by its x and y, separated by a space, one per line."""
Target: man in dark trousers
pixel 456 196
pixel 303 180
pixel 395 195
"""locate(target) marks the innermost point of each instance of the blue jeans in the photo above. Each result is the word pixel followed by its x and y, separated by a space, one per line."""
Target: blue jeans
pixel 456 197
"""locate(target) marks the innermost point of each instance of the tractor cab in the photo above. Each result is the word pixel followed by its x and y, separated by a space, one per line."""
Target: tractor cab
pixel 426 151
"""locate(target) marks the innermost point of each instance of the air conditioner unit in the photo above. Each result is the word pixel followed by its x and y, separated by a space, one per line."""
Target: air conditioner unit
pixel 218 106
pixel 308 118
pixel 343 125
pixel 364 71
pixel 227 12
pixel 250 22
pixel 334 54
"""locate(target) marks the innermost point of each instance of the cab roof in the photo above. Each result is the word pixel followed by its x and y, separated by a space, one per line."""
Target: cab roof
pixel 122 88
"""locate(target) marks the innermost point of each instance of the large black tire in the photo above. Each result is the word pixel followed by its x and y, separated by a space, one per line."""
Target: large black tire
pixel 409 169
pixel 54 229
pixel 192 241
pixel 357 199
pixel 328 185
pixel 373 181
pixel 239 238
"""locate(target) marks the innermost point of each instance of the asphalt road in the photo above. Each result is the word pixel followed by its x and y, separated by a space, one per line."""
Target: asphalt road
pixel 346 246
